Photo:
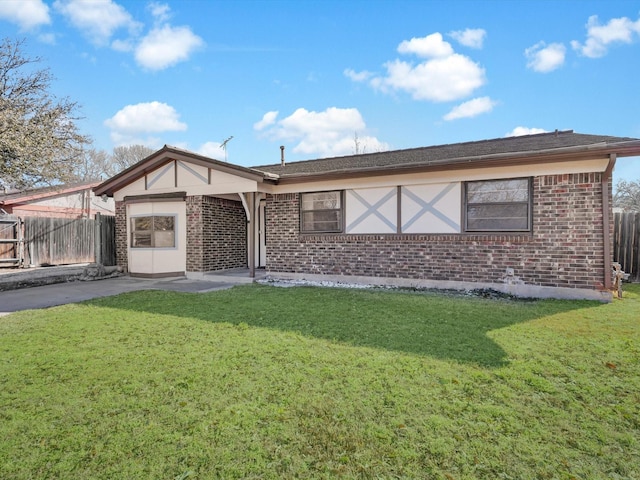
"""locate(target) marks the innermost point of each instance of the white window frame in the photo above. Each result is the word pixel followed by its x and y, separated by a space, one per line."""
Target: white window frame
pixel 153 231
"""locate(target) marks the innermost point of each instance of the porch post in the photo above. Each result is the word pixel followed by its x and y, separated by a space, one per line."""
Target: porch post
pixel 606 219
pixel 251 200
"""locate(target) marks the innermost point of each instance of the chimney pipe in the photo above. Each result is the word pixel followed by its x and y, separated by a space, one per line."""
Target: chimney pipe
pixel 282 155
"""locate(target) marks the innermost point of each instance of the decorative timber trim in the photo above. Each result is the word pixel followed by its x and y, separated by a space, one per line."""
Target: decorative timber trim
pixel 156 197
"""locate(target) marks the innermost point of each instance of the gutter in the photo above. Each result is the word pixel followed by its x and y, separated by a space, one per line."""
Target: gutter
pixel 457 164
pixel 606 220
pixel 557 154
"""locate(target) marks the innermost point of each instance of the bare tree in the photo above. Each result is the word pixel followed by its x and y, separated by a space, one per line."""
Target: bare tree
pixel 356 144
pixel 100 165
pixel 94 165
pixel 39 139
pixel 125 156
pixel 627 195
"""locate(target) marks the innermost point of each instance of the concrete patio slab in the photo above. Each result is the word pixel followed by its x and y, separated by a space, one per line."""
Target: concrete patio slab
pixel 78 291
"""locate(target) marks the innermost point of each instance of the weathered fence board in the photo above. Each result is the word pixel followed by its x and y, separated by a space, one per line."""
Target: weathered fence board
pixel 56 241
pixel 10 240
pixel 106 239
pixel 626 243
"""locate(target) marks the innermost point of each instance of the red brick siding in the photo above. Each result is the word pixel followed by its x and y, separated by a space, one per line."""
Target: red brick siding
pixel 122 259
pixel 216 234
pixel 565 248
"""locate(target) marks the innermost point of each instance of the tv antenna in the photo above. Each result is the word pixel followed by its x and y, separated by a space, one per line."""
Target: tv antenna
pixel 223 146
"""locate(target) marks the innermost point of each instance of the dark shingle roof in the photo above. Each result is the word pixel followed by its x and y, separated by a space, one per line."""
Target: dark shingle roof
pixel 443 154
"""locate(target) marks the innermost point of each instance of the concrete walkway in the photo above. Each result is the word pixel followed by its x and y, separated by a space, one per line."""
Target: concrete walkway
pixel 78 291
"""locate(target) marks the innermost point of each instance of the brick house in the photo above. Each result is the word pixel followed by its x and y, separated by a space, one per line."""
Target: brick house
pixel 526 215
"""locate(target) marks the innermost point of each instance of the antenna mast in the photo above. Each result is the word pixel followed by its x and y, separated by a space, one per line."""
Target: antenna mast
pixel 223 146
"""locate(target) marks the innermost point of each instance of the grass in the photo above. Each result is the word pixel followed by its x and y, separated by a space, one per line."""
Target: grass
pixel 264 382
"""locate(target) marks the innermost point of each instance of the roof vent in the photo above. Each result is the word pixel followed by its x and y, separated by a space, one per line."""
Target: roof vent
pixel 282 155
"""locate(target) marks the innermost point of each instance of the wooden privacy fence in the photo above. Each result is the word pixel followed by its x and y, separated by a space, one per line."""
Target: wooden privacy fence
pixel 626 243
pixel 11 242
pixel 35 241
pixel 105 229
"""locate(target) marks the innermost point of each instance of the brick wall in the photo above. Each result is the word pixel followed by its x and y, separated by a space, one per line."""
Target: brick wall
pixel 216 234
pixel 122 259
pixel 565 248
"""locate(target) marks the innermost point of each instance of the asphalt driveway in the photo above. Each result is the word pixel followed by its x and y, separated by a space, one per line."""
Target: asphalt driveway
pixel 78 291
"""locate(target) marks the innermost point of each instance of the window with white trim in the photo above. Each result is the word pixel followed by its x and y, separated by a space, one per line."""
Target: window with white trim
pixel 321 212
pixel 154 231
pixel 498 205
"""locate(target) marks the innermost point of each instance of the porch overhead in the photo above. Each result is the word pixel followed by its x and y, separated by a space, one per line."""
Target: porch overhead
pixel 171 168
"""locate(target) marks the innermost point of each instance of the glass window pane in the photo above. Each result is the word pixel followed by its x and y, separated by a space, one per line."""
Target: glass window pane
pixel 516 190
pixel 141 239
pixel 322 221
pixel 497 224
pixel 498 211
pixel 498 217
pixel 320 201
pixel 498 205
pixel 153 231
pixel 321 212
pixel 163 239
pixel 142 223
pixel 163 223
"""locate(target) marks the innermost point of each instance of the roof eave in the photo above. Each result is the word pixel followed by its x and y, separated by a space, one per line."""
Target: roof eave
pixel 166 155
pixel 622 149
pixel 50 193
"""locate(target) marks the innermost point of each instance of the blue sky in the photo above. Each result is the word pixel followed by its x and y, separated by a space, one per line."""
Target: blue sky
pixel 322 76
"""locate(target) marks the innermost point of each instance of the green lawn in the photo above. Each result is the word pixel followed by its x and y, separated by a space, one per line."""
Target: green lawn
pixel 259 382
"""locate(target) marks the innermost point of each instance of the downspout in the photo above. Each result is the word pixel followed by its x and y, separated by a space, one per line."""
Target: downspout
pixel 606 220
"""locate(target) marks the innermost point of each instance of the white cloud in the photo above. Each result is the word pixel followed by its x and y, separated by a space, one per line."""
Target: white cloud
pixel 212 150
pixel 327 133
pixel 98 19
pixel 471 108
pixel 545 58
pixel 27 14
pixel 444 75
pixel 520 131
pixel 165 46
pixel 599 37
pixel 431 46
pixel 438 80
pixel 133 121
pixel 160 11
pixel 268 118
pixel 471 37
pixel 357 76
pixel 49 38
pixel 122 45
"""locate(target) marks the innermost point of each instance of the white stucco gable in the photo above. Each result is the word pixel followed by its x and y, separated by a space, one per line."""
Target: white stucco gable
pixel 170 170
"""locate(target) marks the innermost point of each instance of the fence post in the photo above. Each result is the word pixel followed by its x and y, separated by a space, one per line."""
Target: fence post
pixel 20 238
pixel 98 239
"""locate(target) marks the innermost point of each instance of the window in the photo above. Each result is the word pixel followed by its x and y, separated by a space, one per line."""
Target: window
pixel 498 206
pixel 153 232
pixel 321 212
